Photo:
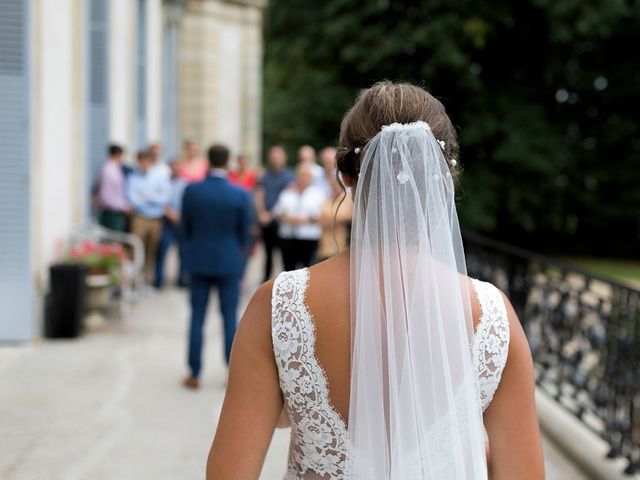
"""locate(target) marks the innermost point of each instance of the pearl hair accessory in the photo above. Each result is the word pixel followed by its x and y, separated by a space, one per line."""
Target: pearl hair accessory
pixel 442 144
pixel 398 127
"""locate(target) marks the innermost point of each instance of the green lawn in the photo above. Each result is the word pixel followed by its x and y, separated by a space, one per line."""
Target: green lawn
pixel 621 269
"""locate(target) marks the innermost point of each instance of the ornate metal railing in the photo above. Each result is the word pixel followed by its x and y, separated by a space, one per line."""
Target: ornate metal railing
pixel 584 333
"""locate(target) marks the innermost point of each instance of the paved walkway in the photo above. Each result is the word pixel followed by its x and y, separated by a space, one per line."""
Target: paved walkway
pixel 109 406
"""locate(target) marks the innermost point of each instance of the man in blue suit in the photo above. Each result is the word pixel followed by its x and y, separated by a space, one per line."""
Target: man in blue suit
pixel 216 217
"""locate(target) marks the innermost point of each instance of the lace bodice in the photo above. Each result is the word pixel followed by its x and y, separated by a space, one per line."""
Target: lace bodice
pixel 491 341
pixel 318 448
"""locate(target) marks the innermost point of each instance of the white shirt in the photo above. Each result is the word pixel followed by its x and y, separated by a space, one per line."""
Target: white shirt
pixel 219 172
pixel 318 173
pixel 160 170
pixel 324 182
pixel 308 203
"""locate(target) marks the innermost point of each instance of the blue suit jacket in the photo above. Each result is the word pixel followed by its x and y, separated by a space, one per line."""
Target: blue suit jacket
pixel 216 219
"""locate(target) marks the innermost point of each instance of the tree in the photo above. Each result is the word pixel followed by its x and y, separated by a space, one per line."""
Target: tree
pixel 543 94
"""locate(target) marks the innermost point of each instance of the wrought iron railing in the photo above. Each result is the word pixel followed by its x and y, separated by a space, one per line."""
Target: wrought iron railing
pixel 584 333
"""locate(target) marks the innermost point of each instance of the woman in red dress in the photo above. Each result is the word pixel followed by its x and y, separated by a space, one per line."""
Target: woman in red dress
pixel 242 175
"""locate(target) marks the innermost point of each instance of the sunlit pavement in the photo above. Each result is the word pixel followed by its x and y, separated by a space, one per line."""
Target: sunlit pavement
pixel 109 405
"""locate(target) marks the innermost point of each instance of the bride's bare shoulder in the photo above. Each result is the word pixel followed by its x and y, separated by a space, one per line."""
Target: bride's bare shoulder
pixel 332 272
pixel 336 268
pixel 257 315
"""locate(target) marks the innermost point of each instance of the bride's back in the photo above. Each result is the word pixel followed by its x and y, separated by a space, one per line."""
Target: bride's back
pixel 311 335
pixel 328 301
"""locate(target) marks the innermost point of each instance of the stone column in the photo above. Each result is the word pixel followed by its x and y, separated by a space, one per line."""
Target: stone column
pixel 170 78
pixel 251 131
pixel 221 74
pixel 58 173
pixel 154 71
pixel 122 71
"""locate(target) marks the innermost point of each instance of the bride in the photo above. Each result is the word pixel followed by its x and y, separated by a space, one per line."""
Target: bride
pixel 387 361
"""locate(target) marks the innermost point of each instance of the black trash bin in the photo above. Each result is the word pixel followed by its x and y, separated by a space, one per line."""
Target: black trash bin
pixel 64 305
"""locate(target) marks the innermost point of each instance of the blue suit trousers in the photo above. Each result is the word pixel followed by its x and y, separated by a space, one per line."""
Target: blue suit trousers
pixel 229 293
pixel 170 235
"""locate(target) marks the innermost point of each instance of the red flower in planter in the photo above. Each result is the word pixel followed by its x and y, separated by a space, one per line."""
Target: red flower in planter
pixel 101 258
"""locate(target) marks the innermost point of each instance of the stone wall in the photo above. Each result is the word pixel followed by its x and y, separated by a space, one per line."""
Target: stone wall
pixel 221 74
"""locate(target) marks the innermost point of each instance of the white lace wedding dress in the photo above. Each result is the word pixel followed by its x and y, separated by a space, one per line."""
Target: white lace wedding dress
pixel 319 438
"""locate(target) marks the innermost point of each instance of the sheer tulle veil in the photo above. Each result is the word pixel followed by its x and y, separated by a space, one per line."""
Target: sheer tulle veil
pixel 414 412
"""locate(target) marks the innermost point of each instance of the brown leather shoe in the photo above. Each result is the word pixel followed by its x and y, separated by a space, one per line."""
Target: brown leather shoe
pixel 191 383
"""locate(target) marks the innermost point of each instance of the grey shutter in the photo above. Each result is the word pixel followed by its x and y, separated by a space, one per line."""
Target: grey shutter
pixel 16 288
pixel 98 86
pixel 170 69
pixel 141 76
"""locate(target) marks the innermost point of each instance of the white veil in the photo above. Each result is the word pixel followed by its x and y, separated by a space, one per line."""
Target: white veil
pixel 414 412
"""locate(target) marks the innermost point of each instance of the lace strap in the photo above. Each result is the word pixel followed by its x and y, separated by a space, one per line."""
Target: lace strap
pixel 288 289
pixel 491 341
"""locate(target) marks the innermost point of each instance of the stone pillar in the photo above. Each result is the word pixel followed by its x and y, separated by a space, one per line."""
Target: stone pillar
pixel 154 71
pixel 251 130
pixel 221 74
pixel 170 79
pixel 58 167
pixel 122 71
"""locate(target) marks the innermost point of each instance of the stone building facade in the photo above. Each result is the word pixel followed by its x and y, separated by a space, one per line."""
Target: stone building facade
pixel 76 75
pixel 221 73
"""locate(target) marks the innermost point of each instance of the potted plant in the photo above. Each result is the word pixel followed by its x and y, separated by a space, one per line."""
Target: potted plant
pixel 104 262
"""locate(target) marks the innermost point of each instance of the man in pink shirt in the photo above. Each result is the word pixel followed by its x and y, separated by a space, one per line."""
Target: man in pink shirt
pixel 112 198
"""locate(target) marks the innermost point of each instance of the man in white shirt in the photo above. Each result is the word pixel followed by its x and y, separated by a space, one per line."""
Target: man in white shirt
pixel 298 210
pixel 159 168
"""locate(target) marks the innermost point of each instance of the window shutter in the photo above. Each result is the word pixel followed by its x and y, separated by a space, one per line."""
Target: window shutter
pixel 16 288
pixel 98 87
pixel 170 68
pixel 141 76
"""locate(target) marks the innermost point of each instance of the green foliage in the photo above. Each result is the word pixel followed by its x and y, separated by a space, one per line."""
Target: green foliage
pixel 625 270
pixel 545 95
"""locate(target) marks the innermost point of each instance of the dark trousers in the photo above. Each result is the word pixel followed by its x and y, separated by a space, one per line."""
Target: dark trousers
pixel 271 242
pixel 229 292
pixel 298 253
pixel 170 235
pixel 113 220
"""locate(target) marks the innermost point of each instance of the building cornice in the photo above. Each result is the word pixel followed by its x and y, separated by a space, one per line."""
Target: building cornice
pixel 259 4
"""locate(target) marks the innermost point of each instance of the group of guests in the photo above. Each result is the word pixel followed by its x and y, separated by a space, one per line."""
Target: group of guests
pixel 305 214
pixel 146 200
pixel 215 213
